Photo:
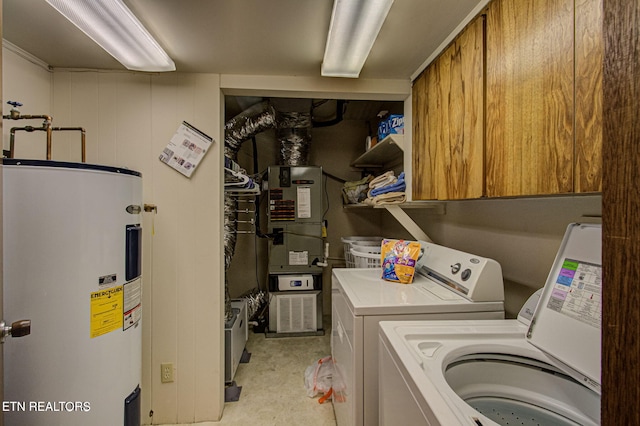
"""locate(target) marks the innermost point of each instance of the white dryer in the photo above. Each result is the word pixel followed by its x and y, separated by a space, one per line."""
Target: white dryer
pixel 543 368
pixel 449 284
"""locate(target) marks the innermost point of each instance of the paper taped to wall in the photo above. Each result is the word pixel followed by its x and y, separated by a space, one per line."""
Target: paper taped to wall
pixel 185 149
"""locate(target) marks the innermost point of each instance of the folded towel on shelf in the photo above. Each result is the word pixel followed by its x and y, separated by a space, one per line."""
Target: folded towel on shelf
pixel 398 186
pixel 387 198
pixel 384 179
pixel 391 198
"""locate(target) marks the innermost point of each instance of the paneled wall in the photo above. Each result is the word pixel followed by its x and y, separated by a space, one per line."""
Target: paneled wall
pixel 28 81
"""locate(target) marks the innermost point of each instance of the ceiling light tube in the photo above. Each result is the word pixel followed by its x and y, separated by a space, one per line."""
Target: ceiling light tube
pixel 114 27
pixel 355 24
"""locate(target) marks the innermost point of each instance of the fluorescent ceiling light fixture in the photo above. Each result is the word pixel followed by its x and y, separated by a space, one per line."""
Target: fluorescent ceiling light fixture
pixel 114 27
pixel 355 24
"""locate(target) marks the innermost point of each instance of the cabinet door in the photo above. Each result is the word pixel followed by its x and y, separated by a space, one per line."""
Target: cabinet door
pixel 530 107
pixel 448 121
pixel 589 60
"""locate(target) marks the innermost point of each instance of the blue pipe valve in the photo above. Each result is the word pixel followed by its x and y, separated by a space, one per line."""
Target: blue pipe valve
pixel 14 114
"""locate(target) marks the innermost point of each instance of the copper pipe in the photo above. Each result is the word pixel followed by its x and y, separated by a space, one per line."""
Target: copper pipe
pixel 49 131
pixel 46 126
pixel 12 138
pixel 82 139
pixel 15 115
pixel 49 136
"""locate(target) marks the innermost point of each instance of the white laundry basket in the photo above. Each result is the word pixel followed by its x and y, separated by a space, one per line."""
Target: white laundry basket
pixel 350 242
pixel 367 257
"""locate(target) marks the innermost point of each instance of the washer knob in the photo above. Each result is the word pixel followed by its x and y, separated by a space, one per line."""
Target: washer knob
pixel 455 268
pixel 466 274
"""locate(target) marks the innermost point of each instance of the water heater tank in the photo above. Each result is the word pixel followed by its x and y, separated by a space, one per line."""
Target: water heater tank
pixel 72 248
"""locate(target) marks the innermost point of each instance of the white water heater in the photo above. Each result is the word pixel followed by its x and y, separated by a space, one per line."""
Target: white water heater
pixel 72 266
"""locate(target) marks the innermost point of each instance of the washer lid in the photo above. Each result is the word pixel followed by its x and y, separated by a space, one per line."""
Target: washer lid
pixel 566 324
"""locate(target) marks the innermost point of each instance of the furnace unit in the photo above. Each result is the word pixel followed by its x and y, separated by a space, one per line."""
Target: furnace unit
pixel 296 249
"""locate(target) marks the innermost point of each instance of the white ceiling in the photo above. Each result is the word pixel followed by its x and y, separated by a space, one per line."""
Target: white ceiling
pixel 255 37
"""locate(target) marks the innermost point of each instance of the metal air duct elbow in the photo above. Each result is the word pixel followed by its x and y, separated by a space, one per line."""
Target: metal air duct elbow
pixel 293 131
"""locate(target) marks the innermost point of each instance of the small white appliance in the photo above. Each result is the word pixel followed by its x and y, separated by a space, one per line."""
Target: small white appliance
pixel 543 368
pixel 448 284
pixel 295 282
pixel 72 265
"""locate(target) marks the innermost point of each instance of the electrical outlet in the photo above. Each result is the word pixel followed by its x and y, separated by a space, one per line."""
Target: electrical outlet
pixel 166 372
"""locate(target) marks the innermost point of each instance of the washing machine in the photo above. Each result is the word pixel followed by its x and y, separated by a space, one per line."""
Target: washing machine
pixel 540 369
pixel 448 284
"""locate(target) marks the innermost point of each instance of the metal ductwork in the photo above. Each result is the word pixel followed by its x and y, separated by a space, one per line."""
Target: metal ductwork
pixel 293 131
pixel 255 119
pixel 244 126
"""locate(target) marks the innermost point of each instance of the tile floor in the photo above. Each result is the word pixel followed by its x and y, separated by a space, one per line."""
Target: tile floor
pixel 273 391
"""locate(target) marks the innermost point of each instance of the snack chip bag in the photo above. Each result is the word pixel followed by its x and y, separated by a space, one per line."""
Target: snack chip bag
pixel 399 260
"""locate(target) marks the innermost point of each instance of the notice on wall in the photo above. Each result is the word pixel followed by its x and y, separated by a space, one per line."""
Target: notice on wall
pixel 186 149
pixel 106 310
pixel 132 303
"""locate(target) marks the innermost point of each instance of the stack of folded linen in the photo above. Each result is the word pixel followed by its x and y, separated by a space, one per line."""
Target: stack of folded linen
pixel 387 189
pixel 387 178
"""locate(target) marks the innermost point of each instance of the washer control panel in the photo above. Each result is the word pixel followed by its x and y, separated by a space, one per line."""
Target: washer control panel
pixel 474 277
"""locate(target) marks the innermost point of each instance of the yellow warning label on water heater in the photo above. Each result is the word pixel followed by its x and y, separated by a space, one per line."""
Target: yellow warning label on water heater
pixel 106 310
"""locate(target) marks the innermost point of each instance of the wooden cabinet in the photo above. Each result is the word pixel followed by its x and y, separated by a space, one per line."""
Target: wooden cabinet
pixel 589 45
pixel 529 78
pixel 538 128
pixel 448 101
pixel 544 97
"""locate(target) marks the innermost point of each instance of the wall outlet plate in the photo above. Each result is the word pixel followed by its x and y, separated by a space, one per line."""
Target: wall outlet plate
pixel 166 372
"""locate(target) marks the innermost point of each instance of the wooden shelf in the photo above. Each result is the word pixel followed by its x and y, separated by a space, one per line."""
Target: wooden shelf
pixel 388 150
pixel 398 212
pixel 437 206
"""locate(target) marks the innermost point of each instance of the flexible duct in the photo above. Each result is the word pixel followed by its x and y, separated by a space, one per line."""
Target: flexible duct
pixel 293 131
pixel 244 126
pixel 250 122
pixel 253 120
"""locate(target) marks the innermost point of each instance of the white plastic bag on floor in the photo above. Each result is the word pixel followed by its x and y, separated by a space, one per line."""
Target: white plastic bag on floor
pixel 317 379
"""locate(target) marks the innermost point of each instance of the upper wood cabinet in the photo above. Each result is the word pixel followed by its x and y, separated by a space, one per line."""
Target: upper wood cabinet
pixel 527 103
pixel 529 78
pixel 544 97
pixel 448 101
pixel 589 45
